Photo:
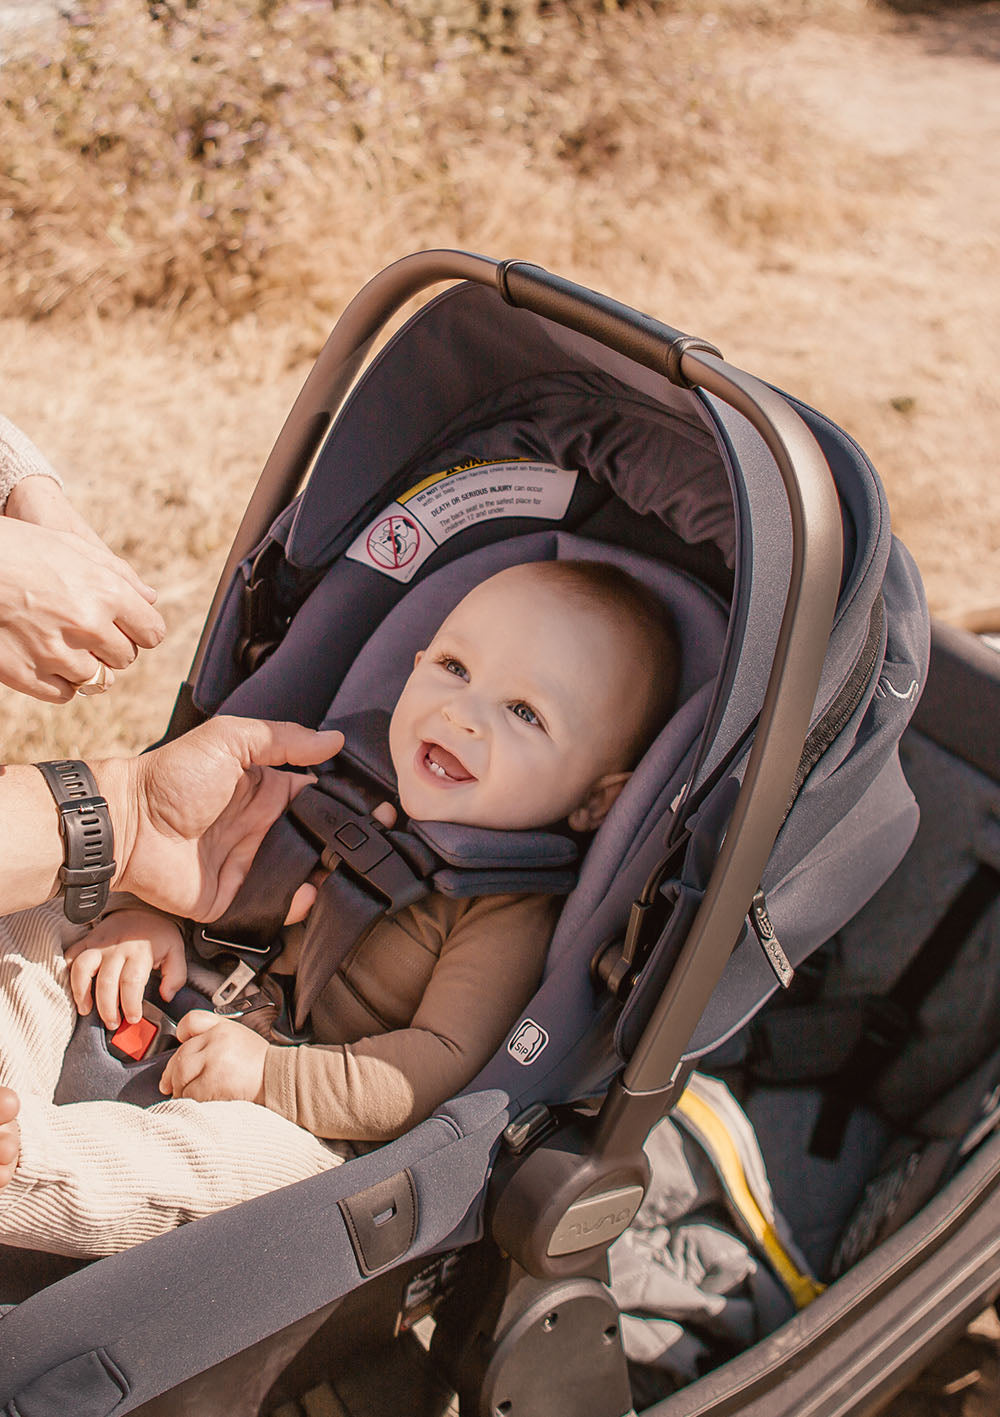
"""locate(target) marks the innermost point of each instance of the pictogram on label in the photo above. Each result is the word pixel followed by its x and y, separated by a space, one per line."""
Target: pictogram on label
pixel 405 533
pixel 527 1042
pixel 393 542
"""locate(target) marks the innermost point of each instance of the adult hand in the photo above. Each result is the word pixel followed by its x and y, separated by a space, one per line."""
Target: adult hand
pixel 190 816
pixel 67 603
pixel 41 501
pixel 219 1060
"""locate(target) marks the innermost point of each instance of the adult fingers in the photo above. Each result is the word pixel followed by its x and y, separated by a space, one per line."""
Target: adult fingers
pixel 48 688
pixel 140 621
pixel 115 594
pixel 127 572
pixel 302 902
pixel 80 666
pixel 268 743
pixel 41 501
pixel 108 643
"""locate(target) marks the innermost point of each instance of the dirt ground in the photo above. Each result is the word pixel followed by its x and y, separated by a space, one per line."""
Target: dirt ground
pixel 894 331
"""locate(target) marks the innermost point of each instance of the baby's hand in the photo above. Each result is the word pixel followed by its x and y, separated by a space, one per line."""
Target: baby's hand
pixel 219 1060
pixel 113 963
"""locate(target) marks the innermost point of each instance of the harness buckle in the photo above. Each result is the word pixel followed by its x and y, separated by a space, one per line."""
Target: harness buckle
pixel 250 961
pixel 154 1033
pixel 233 984
pixel 358 842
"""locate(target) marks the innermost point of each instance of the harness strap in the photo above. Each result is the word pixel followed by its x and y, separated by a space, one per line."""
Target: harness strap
pixel 342 917
pixel 372 872
pixel 258 910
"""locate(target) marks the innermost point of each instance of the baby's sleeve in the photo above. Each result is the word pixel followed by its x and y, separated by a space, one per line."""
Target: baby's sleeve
pixel 380 1086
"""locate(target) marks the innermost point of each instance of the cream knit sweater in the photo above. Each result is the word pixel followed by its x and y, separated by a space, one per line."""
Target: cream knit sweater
pixel 19 458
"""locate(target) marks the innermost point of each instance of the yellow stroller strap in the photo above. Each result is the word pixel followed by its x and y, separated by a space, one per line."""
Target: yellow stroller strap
pixel 718 1143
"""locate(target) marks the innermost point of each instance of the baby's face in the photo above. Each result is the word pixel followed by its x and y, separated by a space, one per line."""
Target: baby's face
pixel 514 711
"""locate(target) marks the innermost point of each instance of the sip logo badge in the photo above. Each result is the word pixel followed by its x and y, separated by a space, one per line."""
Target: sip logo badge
pixel 528 1041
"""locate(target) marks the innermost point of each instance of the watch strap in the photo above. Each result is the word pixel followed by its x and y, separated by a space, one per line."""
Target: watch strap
pixel 88 838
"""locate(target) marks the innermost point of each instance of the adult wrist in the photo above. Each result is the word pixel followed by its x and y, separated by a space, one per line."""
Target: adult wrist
pixel 114 783
pixel 19 458
pixel 13 490
pixel 88 838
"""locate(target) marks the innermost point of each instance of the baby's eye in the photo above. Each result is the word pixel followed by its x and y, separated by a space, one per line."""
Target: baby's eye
pixel 526 712
pixel 453 666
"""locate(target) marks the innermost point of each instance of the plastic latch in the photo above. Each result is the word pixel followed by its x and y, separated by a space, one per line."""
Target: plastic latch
pixel 133 1040
pixel 533 1124
pixel 154 1033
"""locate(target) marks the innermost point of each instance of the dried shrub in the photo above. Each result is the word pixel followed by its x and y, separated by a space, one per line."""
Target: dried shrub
pixel 215 158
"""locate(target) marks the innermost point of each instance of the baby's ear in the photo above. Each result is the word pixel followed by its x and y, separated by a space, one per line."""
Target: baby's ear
pixel 598 802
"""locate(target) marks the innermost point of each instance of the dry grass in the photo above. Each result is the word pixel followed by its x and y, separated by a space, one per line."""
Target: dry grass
pixel 212 160
pixel 191 189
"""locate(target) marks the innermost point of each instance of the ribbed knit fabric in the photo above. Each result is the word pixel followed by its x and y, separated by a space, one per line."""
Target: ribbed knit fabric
pixel 96 1177
pixel 19 458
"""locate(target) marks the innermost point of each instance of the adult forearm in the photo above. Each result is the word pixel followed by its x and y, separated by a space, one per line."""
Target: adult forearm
pixel 33 849
pixel 188 817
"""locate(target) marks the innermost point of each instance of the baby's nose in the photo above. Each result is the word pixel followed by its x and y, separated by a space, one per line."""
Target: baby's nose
pixel 461 714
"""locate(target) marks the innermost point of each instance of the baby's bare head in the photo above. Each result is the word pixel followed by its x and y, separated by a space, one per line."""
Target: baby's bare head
pixel 535 698
pixel 643 675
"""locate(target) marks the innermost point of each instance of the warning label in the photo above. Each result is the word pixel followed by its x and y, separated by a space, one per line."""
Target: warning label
pixel 401 538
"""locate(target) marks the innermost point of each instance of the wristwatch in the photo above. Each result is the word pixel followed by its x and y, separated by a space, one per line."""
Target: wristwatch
pixel 88 839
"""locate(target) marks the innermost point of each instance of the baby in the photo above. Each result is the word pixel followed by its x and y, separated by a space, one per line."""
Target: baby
pixel 529 708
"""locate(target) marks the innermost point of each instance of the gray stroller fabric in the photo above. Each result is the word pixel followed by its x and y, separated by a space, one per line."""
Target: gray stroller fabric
pixel 692 1284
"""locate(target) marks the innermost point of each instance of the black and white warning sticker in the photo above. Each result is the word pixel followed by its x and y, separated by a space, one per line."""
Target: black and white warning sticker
pixel 404 534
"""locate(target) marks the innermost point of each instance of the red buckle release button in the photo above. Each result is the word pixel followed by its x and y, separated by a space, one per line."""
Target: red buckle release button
pixel 133 1039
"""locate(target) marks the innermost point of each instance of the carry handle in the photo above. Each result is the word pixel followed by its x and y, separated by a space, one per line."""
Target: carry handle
pixel 762 803
pixel 614 325
pixel 807 618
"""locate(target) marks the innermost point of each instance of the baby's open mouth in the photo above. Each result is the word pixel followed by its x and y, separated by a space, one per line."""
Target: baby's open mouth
pixel 443 765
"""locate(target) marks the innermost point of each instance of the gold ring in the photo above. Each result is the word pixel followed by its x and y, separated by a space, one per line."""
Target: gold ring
pixel 97 683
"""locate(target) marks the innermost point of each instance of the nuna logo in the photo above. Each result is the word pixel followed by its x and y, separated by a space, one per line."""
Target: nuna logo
pixel 528 1040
